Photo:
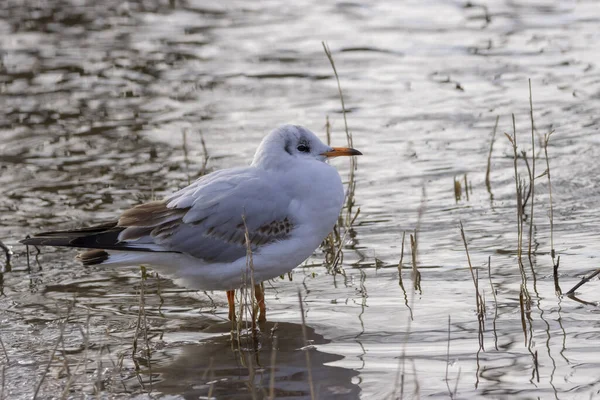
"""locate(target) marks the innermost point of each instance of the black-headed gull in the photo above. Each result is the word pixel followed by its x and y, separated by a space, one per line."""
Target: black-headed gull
pixel 288 200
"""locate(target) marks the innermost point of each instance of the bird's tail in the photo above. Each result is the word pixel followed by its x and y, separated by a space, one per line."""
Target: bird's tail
pixel 98 239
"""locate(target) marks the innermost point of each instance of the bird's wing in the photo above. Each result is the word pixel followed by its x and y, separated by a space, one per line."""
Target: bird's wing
pixel 205 219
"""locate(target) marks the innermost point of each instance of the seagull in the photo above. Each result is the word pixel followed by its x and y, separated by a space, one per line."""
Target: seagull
pixel 281 207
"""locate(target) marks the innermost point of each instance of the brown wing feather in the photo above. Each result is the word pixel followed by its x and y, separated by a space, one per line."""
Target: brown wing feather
pixel 157 220
pixel 150 214
pixel 153 218
pixel 154 223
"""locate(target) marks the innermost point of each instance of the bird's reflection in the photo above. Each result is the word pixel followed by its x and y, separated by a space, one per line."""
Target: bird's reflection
pixel 216 368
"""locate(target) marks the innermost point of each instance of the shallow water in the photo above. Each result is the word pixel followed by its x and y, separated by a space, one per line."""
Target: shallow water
pixel 96 97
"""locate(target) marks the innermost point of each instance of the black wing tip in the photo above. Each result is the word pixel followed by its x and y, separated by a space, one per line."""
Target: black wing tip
pixel 95 237
pixel 44 240
pixel 93 257
pixel 34 241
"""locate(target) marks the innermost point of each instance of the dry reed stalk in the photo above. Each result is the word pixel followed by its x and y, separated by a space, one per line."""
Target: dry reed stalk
pixel 65 361
pixel 328 247
pixel 351 181
pixel 339 253
pixel 364 295
pixel 213 305
pixel 209 373
pixel 477 360
pixel 583 281
pixel 350 217
pixel 246 301
pixel 495 302
pixel 521 200
pixel 306 348
pixel 119 365
pixel 536 366
pixel 414 241
pixel 457 190
pixel 546 141
pixel 489 159
pixel 205 155
pixel 161 300
pixel 337 78
pixel 532 176
pixel 54 349
pixel 524 203
pixel 448 361
pixel 3 382
pixel 528 302
pixel 555 263
pixel 4 351
pixel 400 377
pixel 64 357
pixel 353 219
pixel 451 393
pixel 400 263
pixel 250 267
pixel 513 141
pixel 236 323
pixel 81 362
pixel 522 308
pixel 416 274
pixel 587 303
pixel 479 301
pixel 99 387
pixel 400 281
pixel 251 376
pixel 478 298
pixel 272 377
pixel 27 253
pixel 8 255
pixel 399 381
pixel 186 160
pixel 525 196
pixel 481 318
pixel 138 326
pixel 328 130
pixel 557 288
pixel 457 380
pixel 417 391
pixel 36 256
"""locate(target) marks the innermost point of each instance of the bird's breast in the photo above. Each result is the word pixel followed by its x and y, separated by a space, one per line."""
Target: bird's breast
pixel 319 199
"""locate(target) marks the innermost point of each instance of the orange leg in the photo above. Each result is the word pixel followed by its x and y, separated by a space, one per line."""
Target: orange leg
pixel 260 299
pixel 231 301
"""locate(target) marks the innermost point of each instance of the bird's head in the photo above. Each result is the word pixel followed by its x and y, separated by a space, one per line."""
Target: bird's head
pixel 293 142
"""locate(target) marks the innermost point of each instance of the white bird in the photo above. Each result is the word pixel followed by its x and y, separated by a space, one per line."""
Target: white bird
pixel 288 200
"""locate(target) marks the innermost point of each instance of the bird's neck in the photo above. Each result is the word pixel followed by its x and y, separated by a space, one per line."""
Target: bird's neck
pixel 271 163
pixel 265 159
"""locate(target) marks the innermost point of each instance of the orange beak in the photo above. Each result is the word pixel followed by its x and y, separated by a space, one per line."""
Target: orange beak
pixel 341 151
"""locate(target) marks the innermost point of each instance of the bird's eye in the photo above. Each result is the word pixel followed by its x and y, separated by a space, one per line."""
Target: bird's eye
pixel 303 148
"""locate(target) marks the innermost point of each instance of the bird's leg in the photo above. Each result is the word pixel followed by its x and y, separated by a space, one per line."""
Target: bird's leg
pixel 231 302
pixel 259 293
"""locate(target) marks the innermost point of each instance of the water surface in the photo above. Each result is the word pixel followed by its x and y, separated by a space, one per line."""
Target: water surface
pixel 97 97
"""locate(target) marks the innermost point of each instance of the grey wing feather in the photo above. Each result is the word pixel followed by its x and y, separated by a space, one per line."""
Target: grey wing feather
pixel 205 218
